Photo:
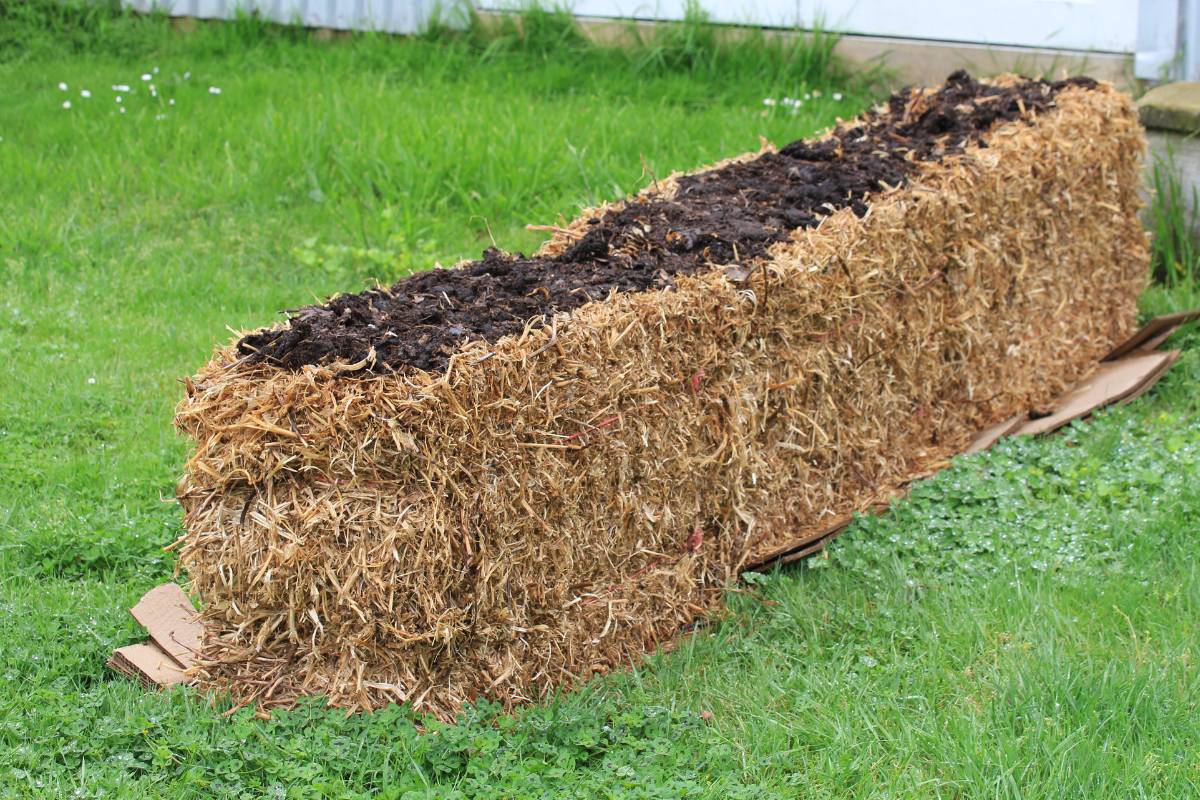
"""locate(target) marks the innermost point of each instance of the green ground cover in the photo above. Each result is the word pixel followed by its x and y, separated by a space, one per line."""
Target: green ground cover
pixel 1022 627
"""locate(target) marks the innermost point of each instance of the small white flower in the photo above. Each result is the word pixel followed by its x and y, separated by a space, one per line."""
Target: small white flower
pixel 84 93
pixel 837 95
pixel 146 76
pixel 171 102
pixel 66 103
pixel 160 116
pixel 121 87
pixel 155 70
pixel 62 87
pixel 122 109
pixel 187 75
pixel 214 90
pixel 91 380
pixel 117 98
pixel 768 101
pixel 808 96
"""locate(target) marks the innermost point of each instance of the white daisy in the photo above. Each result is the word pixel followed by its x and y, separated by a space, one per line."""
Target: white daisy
pixel 84 93
pixel 66 103
pixel 214 90
pixel 62 87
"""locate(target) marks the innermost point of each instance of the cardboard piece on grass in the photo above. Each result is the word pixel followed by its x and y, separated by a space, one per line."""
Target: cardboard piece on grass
pixel 809 543
pixel 169 616
pixel 1153 333
pixel 148 664
pixel 802 545
pixel 175 633
pixel 990 436
pixel 814 546
pixel 1114 382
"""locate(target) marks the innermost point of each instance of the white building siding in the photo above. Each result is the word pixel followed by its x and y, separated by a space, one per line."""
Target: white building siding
pixel 385 16
pixel 1101 25
pixel 1156 32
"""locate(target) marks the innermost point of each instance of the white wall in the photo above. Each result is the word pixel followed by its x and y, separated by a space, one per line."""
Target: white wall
pixel 1154 31
pixel 388 16
pixel 1104 25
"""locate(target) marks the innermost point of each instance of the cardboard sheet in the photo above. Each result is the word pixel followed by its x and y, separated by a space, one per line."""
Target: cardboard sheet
pixel 1153 333
pixel 148 664
pixel 1114 381
pixel 168 614
pixel 804 542
pixel 813 547
pixel 989 437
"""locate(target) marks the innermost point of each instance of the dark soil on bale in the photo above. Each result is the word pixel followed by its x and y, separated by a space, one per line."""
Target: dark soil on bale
pixel 721 217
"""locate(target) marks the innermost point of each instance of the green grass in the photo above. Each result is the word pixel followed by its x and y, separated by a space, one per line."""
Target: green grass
pixel 1022 627
pixel 1175 255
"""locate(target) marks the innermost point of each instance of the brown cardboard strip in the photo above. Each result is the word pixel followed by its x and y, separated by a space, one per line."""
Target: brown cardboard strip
pixel 807 545
pixel 789 551
pixel 169 616
pixel 148 664
pixel 1113 382
pixel 989 437
pixel 1153 333
pixel 1144 386
pixel 815 547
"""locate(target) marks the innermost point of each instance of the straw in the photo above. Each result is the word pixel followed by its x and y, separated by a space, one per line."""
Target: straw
pixel 558 503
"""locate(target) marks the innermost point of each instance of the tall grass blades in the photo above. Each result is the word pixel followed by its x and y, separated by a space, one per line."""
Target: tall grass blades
pixel 1175 259
pixel 537 33
pixel 73 25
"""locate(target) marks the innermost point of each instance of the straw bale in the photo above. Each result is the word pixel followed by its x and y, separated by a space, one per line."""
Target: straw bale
pixel 560 502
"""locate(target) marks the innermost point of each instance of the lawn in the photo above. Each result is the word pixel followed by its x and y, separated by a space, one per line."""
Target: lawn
pixel 1023 626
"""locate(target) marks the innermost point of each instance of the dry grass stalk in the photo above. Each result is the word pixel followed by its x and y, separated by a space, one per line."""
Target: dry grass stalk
pixel 562 501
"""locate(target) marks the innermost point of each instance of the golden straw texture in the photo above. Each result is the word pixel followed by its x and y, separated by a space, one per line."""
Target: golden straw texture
pixel 558 503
